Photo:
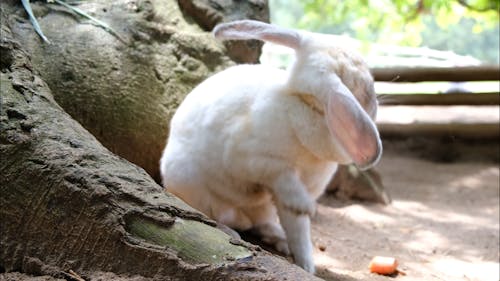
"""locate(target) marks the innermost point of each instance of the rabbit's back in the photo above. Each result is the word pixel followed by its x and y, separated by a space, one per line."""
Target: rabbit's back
pixel 223 135
pixel 227 96
pixel 230 107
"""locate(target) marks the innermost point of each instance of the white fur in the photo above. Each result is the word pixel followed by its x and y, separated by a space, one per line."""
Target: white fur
pixel 252 143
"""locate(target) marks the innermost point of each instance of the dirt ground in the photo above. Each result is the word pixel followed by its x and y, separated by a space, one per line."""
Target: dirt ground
pixel 443 223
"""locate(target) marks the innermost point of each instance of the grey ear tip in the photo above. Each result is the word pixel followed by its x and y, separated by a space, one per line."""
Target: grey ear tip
pixel 234 24
pixel 252 29
pixel 218 29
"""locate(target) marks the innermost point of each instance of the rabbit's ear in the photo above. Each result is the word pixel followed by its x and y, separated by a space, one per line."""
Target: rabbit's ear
pixel 351 127
pixel 249 29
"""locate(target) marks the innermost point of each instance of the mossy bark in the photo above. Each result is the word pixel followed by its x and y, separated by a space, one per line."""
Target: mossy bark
pixel 68 203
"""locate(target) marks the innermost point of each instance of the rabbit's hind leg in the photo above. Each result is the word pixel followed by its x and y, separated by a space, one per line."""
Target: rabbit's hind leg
pixel 229 215
pixel 272 233
pixel 267 227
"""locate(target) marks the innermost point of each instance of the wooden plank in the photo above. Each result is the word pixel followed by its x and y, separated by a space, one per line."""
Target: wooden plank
pixel 440 99
pixel 407 114
pixel 420 74
pixel 470 122
pixel 480 131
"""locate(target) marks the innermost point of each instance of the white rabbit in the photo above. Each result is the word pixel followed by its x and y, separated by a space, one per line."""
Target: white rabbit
pixel 254 143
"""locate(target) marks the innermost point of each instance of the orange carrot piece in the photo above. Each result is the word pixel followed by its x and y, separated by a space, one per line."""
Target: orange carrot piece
pixel 383 265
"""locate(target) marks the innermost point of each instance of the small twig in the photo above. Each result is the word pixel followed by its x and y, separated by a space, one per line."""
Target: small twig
pixel 396 78
pixel 75 276
pixel 399 271
pixel 34 22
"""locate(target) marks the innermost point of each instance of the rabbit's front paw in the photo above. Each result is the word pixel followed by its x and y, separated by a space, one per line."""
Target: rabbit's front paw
pixel 305 260
pixel 291 194
pixel 302 205
pixel 307 264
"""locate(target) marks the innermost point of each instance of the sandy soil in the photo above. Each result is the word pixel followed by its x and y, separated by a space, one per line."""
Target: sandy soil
pixel 443 224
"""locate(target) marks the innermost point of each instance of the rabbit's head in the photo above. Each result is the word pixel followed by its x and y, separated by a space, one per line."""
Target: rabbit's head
pixel 334 80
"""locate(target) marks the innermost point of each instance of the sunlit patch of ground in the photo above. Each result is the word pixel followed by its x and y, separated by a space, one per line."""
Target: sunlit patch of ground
pixel 443 224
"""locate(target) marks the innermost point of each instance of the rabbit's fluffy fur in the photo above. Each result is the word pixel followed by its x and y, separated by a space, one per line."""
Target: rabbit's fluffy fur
pixel 252 143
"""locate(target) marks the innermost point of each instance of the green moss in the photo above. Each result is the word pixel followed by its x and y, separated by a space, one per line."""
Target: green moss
pixel 192 240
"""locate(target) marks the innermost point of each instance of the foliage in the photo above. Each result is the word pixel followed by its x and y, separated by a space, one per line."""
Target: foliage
pixel 402 22
pixel 463 39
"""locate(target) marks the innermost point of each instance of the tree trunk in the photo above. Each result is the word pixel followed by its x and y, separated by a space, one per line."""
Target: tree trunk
pixel 67 203
pixel 125 91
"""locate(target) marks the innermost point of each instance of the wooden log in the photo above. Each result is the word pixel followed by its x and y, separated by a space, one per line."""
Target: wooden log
pixel 471 122
pixel 440 99
pixel 479 131
pixel 420 74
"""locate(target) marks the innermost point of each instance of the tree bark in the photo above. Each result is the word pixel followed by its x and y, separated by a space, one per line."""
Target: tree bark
pixel 208 13
pixel 126 91
pixel 67 203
